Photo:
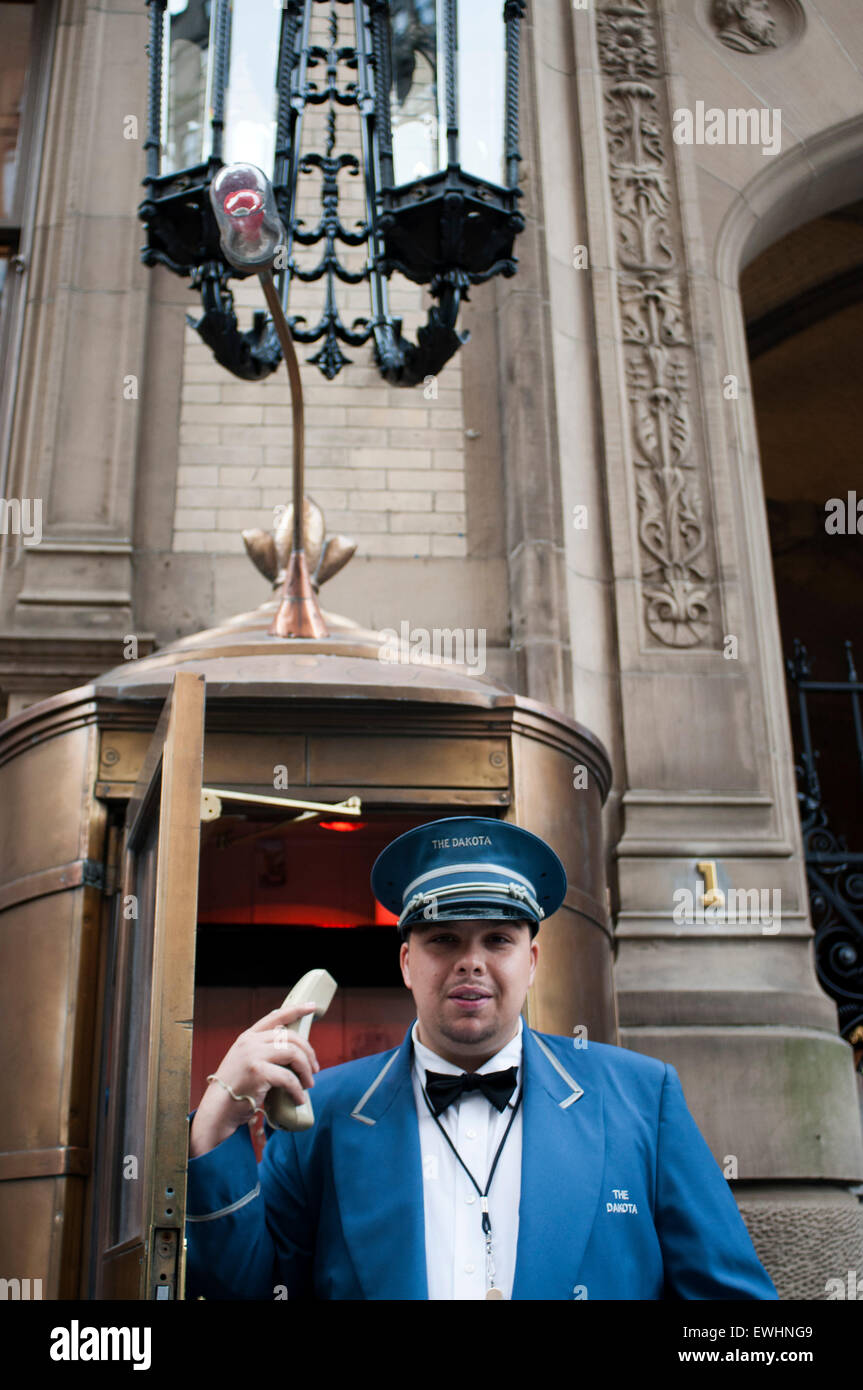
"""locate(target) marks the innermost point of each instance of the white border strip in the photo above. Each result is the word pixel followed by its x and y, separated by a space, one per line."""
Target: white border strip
pixel 355 1113
pixel 225 1211
pixel 577 1090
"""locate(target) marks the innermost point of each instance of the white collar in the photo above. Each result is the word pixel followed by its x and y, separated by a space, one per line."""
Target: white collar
pixel 426 1060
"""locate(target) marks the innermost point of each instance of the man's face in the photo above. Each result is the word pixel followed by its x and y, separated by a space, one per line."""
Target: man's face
pixel 757 21
pixel 751 17
pixel 469 980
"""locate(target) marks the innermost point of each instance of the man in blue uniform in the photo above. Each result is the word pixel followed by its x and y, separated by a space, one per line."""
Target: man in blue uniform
pixel 480 1159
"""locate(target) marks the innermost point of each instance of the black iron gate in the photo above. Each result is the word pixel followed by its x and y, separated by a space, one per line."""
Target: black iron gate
pixel 834 871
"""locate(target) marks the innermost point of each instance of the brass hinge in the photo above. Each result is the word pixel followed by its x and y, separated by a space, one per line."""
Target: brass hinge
pixel 93 874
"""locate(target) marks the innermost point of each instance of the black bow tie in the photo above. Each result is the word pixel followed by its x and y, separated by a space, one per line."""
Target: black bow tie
pixel 497 1086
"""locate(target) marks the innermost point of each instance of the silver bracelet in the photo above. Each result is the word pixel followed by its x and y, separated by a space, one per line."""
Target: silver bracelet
pixel 256 1109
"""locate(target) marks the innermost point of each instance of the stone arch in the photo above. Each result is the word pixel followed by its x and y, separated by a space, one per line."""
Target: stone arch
pixel 812 179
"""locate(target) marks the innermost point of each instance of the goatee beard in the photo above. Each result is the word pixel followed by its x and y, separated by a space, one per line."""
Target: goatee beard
pixel 455 1037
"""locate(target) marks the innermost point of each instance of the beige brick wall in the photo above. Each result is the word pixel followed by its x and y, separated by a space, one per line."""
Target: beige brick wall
pixel 384 463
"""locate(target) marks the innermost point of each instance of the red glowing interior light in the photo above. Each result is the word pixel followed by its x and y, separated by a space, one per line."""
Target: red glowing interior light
pixel 243 201
pixel 342 824
pixel 383 917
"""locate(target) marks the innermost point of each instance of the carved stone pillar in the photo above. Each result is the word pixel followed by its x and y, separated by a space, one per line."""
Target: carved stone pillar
pixel 75 431
pixel 534 525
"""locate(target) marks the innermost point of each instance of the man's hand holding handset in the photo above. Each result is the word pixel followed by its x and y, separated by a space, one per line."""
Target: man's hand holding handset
pixel 270 1066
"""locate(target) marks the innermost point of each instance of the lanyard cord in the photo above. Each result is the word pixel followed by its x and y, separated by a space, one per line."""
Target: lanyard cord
pixel 486 1222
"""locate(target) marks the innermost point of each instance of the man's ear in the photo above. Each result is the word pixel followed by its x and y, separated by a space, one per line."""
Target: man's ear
pixel 534 957
pixel 404 962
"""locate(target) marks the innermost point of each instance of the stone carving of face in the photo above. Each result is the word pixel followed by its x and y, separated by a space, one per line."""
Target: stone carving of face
pixel 745 24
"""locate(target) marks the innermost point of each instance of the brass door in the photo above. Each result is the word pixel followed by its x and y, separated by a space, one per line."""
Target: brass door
pixel 142 1179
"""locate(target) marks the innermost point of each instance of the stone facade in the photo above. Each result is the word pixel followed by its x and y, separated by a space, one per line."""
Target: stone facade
pixel 385 464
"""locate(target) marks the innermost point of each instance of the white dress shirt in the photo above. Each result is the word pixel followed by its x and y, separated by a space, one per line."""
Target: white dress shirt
pixel 455 1242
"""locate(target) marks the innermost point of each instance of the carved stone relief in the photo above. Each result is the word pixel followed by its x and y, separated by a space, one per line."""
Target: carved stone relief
pixel 744 25
pixel 680 600
pixel 753 26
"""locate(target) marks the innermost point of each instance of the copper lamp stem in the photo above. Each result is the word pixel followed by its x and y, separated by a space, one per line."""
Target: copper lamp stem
pixel 298 614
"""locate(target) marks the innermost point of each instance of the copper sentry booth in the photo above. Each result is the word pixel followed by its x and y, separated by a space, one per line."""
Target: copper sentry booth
pixel 102 821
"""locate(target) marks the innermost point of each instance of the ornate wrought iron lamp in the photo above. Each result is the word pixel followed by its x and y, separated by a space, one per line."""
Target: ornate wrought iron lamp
pixel 434 86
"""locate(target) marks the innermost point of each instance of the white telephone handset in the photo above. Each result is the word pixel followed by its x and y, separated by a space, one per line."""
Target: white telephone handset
pixel 317 987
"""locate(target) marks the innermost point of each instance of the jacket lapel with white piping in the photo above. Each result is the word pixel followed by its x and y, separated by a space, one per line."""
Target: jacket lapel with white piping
pixel 377 1167
pixel 562 1162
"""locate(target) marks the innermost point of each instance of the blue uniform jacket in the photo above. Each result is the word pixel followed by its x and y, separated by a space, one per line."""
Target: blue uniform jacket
pixel 336 1212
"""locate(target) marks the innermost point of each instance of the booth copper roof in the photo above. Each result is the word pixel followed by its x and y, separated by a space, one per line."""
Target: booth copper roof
pixel 242 655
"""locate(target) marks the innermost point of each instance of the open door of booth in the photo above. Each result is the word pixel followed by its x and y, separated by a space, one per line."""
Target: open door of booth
pixel 141 1195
